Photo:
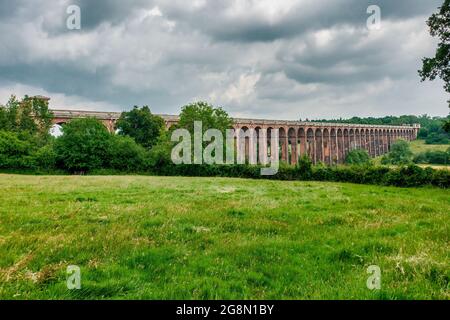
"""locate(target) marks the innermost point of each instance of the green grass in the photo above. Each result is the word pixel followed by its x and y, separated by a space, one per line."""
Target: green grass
pixel 418 146
pixel 209 238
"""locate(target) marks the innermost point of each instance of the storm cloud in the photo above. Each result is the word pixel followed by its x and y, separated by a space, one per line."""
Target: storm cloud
pixel 273 59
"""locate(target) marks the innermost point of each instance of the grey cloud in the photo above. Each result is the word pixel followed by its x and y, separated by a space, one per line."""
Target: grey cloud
pixel 304 16
pixel 248 61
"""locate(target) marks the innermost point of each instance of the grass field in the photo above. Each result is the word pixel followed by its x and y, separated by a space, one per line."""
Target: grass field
pixel 418 146
pixel 196 238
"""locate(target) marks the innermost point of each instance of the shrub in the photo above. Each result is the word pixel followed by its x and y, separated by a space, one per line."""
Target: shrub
pixel 433 157
pixel 400 154
pixel 437 138
pixel 409 176
pixel 141 125
pixel 125 154
pixel 83 145
pixel 357 157
pixel 44 158
pixel 159 158
pixel 14 151
pixel 304 168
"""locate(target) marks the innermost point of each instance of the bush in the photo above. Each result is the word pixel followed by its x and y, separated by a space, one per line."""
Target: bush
pixel 141 125
pixel 44 158
pixel 125 154
pixel 437 138
pixel 14 151
pixel 400 154
pixel 83 146
pixel 159 159
pixel 433 157
pixel 357 157
pixel 304 167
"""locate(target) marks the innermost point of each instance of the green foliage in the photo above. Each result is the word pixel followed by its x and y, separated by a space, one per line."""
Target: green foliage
pixel 437 138
pixel 125 154
pixel 433 157
pixel 410 176
pixel 211 117
pixel 141 125
pixel 400 154
pixel 44 158
pixel 14 151
pixel 160 156
pixel 439 65
pixel 83 146
pixel 304 167
pixel 357 157
pixel 30 116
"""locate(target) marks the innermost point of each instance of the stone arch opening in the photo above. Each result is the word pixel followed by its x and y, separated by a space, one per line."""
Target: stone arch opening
pixel 269 142
pixel 346 142
pixel 326 146
pixel 302 139
pixel 357 139
pixel 283 149
pixel 319 146
pixel 56 130
pixel 340 145
pixel 292 147
pixel 333 147
pixel 351 134
pixel 310 146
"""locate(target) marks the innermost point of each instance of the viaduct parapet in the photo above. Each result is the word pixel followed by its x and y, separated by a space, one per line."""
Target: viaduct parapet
pixel 321 142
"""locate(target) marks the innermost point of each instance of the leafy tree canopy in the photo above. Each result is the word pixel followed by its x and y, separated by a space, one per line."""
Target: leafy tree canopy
pixel 439 65
pixel 30 115
pixel 357 157
pixel 141 125
pixel 83 145
pixel 400 154
pixel 210 116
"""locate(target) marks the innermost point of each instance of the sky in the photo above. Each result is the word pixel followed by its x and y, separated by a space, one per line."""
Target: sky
pixel 274 59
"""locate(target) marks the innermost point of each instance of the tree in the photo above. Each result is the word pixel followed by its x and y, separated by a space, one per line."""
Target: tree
pixel 439 65
pixel 83 145
pixel 210 116
pixel 400 154
pixel 125 154
pixel 13 150
pixel 357 157
pixel 160 154
pixel 30 116
pixel 141 125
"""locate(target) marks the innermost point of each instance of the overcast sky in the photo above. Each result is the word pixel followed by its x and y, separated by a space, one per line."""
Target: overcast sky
pixel 282 59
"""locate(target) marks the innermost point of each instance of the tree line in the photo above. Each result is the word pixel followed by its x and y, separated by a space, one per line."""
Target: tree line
pixel 432 128
pixel 143 145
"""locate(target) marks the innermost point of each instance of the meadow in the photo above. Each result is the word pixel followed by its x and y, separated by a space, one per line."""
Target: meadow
pixel 418 146
pixel 137 237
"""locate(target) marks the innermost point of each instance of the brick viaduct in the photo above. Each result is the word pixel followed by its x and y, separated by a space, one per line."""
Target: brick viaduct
pixel 321 142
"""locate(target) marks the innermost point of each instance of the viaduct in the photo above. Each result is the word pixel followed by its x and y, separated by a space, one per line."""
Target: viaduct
pixel 321 142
